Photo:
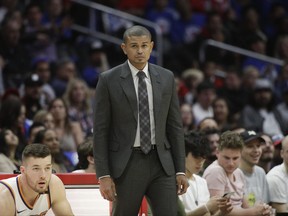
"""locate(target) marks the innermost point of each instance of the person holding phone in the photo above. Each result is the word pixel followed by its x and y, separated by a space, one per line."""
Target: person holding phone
pixel 223 175
pixel 196 200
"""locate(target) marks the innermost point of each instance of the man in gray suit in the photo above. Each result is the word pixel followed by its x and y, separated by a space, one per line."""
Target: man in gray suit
pixel 128 166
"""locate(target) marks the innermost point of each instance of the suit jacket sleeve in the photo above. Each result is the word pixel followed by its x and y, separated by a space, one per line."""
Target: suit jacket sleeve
pixel 101 127
pixel 174 132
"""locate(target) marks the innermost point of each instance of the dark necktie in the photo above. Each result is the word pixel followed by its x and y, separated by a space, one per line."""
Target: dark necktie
pixel 144 115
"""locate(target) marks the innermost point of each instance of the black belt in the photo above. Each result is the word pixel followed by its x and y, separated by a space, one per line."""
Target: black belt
pixel 138 148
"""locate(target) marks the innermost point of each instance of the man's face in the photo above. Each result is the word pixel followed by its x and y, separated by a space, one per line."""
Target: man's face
pixel 186 114
pixel 67 71
pixel 43 71
pixel 213 143
pixel 251 152
pixel 37 172
pixel 194 164
pixel 33 92
pixel 34 15
pixel 206 97
pixel 12 33
pixel 263 97
pixel 229 159
pixel 220 109
pixel 267 149
pixel 138 50
pixel 51 140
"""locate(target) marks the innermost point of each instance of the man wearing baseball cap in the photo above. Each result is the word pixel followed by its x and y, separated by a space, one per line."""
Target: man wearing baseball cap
pixel 256 189
pixel 32 95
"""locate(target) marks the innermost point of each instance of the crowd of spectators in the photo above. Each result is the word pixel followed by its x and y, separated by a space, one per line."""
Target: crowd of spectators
pixel 48 72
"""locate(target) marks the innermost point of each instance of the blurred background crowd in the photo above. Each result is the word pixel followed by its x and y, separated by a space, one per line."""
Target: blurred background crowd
pixel 48 71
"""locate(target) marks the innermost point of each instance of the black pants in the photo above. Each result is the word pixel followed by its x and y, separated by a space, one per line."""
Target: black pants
pixel 144 176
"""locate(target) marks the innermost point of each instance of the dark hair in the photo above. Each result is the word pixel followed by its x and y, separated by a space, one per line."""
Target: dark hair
pixel 230 140
pixel 35 150
pixel 209 131
pixel 85 149
pixel 35 125
pixel 3 145
pixel 212 14
pixel 137 31
pixel 39 137
pixel 270 106
pixel 31 5
pixel 204 86
pixel 197 143
pixel 10 111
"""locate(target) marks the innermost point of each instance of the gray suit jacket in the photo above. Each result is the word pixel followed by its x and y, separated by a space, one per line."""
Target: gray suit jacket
pixel 116 115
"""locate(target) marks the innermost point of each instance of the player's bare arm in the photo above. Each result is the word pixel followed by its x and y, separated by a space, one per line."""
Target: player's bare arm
pixel 7 204
pixel 59 202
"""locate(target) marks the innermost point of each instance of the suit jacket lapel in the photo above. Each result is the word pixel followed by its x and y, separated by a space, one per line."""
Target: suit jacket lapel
pixel 129 89
pixel 156 86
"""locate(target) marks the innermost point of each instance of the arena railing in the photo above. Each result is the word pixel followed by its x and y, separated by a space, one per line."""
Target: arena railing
pixel 90 30
pixel 235 49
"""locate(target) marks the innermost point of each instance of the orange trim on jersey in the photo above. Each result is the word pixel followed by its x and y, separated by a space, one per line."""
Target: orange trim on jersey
pixel 49 198
pixel 22 194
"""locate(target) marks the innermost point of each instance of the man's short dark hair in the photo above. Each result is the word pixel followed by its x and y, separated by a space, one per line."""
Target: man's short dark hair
pixel 84 150
pixel 210 131
pixel 205 85
pixel 35 150
pixel 137 31
pixel 230 140
pixel 197 143
pixel 39 136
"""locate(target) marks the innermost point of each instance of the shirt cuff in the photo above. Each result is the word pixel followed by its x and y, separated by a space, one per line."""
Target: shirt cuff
pixel 180 173
pixel 105 176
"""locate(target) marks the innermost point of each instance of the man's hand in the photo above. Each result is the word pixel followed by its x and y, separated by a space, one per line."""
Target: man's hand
pixel 225 205
pixel 182 184
pixel 107 188
pixel 262 209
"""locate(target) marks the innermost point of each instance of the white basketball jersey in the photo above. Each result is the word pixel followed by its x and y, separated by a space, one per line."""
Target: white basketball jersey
pixel 42 202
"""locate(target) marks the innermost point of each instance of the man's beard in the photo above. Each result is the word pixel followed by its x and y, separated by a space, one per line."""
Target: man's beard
pixel 266 159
